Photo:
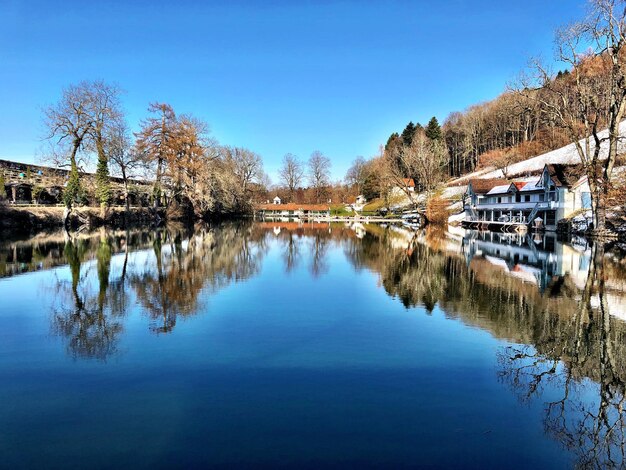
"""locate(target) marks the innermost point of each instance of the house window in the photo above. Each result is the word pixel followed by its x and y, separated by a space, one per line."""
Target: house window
pixel 527 198
pixel 499 200
pixel 585 200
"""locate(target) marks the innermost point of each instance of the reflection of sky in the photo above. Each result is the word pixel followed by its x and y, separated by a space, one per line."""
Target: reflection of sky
pixel 281 367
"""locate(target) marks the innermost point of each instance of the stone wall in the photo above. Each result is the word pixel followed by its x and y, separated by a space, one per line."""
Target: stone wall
pixel 36 184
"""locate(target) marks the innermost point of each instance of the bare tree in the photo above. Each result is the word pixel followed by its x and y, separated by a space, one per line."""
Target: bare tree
pixel 591 96
pixel 68 124
pixel 126 162
pixel 319 173
pixel 501 160
pixel 106 115
pixel 424 160
pixel 291 173
pixel 247 166
pixel 357 174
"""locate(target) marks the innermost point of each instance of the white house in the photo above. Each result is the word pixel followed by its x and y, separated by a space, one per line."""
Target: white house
pixel 407 187
pixel 291 210
pixel 554 195
pixel 277 200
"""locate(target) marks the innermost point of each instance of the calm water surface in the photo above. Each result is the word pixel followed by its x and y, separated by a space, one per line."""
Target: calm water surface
pixel 289 345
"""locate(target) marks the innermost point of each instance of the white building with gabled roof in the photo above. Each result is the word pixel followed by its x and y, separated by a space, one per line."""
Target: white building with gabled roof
pixel 559 191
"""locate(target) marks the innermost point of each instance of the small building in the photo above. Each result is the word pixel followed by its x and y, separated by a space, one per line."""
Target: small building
pixel 407 187
pixel 554 195
pixel 409 184
pixel 292 210
pixel 360 200
pixel 277 200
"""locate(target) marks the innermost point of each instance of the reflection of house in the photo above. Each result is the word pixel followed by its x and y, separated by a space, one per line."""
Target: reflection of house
pixel 292 210
pixel 555 194
pixel 531 258
pixel 359 229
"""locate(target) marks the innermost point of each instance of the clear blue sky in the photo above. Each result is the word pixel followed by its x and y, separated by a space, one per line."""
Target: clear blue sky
pixel 276 76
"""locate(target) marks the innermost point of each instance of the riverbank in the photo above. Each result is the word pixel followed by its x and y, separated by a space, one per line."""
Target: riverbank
pixel 344 219
pixel 32 218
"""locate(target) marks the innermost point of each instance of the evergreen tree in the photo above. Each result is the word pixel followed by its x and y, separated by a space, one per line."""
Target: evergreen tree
pixel 433 130
pixel 408 133
pixel 393 138
pixel 2 189
pixel 103 183
pixel 72 189
pixel 28 173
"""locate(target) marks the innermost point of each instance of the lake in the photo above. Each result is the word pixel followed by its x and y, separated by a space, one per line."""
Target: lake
pixel 282 344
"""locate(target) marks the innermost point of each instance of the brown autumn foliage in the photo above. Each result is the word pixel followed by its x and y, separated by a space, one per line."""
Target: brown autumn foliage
pixel 437 211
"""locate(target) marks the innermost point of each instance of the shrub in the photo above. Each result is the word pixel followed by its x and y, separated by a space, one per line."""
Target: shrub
pixel 437 211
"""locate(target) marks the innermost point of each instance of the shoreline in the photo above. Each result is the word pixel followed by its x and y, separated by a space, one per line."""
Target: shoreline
pixel 30 219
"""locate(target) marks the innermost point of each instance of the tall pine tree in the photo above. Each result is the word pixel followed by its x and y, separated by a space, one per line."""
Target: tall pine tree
pixel 408 133
pixel 433 129
pixel 392 140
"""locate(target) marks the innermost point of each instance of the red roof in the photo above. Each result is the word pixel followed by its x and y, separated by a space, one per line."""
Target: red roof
pixel 409 183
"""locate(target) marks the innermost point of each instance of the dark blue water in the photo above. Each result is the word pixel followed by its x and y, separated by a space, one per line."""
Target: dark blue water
pixel 281 345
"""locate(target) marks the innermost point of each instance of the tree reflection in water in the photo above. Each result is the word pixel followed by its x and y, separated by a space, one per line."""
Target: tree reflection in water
pixel 86 319
pixel 189 263
pixel 564 345
pixel 586 359
pixel 89 307
pixel 569 346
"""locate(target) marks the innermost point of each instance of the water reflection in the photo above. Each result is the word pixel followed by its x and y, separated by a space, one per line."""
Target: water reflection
pixel 90 318
pixel 582 361
pixel 312 238
pixel 562 304
pixel 184 265
pixel 557 306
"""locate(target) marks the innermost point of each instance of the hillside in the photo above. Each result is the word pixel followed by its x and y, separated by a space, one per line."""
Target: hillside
pixel 533 165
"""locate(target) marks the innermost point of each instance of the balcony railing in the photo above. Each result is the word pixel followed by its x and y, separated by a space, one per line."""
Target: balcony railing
pixel 514 206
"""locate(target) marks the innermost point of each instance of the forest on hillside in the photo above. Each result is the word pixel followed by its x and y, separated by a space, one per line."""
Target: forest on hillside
pixel 540 111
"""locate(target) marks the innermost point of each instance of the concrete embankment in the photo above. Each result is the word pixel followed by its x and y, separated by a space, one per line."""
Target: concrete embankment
pixel 30 218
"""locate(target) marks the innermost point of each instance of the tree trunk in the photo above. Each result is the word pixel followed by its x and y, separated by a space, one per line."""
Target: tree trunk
pixel 126 201
pixel 598 206
pixel 66 217
pixel 157 185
